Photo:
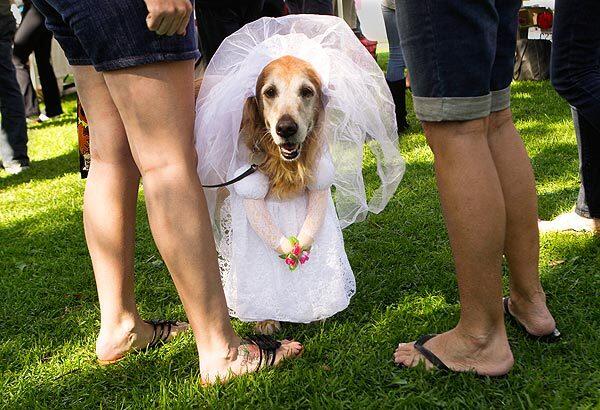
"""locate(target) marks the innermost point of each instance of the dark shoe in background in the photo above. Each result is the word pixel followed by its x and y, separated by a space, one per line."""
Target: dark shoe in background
pixel 398 89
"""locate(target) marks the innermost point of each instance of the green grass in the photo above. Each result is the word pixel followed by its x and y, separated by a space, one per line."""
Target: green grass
pixel 49 312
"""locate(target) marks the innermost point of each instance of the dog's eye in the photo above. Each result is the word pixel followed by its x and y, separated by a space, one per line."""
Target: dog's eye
pixel 306 92
pixel 270 92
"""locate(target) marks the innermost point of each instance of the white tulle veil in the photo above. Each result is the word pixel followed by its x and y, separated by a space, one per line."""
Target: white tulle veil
pixel 358 111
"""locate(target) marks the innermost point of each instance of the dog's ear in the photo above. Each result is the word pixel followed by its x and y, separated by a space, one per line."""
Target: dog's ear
pixel 252 122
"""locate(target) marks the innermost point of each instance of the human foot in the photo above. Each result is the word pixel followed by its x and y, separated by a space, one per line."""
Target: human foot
pixel 533 314
pixel 485 356
pixel 113 344
pixel 570 221
pixel 246 356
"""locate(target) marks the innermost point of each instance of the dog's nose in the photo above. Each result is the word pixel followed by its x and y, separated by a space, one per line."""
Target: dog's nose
pixel 286 127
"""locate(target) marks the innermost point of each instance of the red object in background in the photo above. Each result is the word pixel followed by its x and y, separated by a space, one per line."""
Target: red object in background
pixel 545 20
pixel 370 45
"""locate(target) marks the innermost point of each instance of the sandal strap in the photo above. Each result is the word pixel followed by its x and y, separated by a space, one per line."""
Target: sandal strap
pixel 505 304
pixel 161 330
pixel 267 347
pixel 428 354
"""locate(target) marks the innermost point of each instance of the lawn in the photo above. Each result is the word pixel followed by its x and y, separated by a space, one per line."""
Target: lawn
pixel 406 286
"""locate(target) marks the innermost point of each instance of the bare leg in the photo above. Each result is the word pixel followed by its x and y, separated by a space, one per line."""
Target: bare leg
pixel 527 298
pixel 156 104
pixel 109 220
pixel 475 215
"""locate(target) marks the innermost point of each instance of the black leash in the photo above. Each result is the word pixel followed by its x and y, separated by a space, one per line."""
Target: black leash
pixel 253 168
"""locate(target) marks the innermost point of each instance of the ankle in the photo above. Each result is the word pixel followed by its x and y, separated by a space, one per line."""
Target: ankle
pixel 219 348
pixel 120 323
pixel 534 296
pixel 481 338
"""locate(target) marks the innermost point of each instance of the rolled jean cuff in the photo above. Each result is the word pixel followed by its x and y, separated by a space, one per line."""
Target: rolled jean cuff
pixel 126 62
pixel 583 213
pixel 500 100
pixel 436 109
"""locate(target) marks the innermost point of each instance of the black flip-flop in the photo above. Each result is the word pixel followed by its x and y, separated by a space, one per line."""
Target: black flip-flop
pixel 551 337
pixel 437 362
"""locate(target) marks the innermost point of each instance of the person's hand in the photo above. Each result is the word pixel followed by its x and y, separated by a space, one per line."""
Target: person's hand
pixel 168 17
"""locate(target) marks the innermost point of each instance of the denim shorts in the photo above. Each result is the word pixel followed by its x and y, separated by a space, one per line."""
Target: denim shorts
pixel 460 55
pixel 111 34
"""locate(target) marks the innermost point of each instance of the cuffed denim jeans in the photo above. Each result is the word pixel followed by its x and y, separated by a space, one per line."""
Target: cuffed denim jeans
pixel 13 132
pixel 575 73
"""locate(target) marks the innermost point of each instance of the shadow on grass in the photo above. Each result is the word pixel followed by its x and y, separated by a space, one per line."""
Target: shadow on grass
pixel 45 169
pixel 64 119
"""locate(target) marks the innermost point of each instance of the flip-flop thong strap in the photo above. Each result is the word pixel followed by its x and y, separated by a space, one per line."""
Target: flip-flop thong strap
pixel 267 347
pixel 428 354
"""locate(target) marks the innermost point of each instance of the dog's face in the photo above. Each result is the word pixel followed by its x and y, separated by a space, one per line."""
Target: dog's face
pixel 288 94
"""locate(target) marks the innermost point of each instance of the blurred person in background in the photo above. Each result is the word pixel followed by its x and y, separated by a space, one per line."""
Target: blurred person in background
pixel 395 74
pixel 348 11
pixel 33 37
pixel 333 7
pixel 217 19
pixel 575 74
pixel 13 132
pixel 310 6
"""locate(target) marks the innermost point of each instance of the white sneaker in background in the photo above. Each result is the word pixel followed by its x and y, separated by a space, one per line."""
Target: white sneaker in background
pixel 570 221
pixel 15 169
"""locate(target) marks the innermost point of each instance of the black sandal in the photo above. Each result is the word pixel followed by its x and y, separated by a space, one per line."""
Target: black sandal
pixel 437 362
pixel 551 337
pixel 267 349
pixel 161 330
pixel 159 335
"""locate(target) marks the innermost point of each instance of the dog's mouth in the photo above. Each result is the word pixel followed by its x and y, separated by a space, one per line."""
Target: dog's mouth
pixel 289 151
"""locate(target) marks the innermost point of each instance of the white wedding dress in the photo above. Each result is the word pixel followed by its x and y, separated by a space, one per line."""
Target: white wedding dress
pixel 258 284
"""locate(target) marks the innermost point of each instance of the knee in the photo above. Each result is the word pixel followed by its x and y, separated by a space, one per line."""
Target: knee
pixel 567 82
pixel 500 119
pixel 447 134
pixel 561 83
pixel 109 147
pixel 164 171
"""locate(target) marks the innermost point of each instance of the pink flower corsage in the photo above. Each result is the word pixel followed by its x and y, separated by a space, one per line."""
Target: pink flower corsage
pixel 298 256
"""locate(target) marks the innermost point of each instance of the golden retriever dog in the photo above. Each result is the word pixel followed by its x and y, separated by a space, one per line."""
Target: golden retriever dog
pixel 281 125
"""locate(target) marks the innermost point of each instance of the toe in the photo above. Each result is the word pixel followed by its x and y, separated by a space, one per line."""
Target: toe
pixel 179 328
pixel 403 359
pixel 405 347
pixel 290 348
pixel 406 355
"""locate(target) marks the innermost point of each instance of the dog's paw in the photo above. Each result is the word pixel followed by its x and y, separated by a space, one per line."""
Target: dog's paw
pixel 267 327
